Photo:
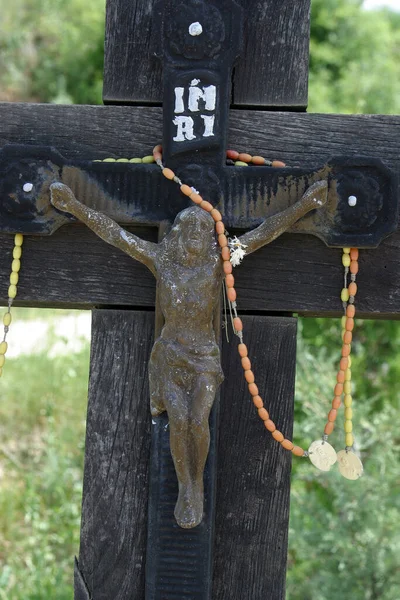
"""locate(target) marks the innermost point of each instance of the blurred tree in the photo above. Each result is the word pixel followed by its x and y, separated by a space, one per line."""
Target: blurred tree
pixel 52 50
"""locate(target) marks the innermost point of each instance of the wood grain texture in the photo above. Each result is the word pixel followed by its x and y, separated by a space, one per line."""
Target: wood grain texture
pixel 114 508
pixel 295 273
pixel 272 71
pixel 253 470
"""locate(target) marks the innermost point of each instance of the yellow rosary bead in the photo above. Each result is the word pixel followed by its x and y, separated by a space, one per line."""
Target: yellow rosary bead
pixel 344 320
pixel 349 439
pixel 7 319
pixel 18 239
pixel 347 375
pixel 17 252
pixel 345 295
pixel 14 278
pixel 2 360
pixel 349 359
pixel 347 387
pixel 346 260
pixel 135 160
pixel 346 250
pixel 109 160
pixel 3 347
pixel 348 400
pixel 123 160
pixel 12 291
pixel 348 426
pixel 348 413
pixel 16 265
pixel 148 159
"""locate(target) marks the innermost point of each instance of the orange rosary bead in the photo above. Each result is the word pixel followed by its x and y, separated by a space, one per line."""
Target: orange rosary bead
pixel 347 338
pixel 229 280
pixel 222 240
pixel 345 352
pixel 253 389
pixel 332 415
pixel 336 402
pixel 232 154
pixel 207 206
pixel 329 427
pixel 249 376
pixel 349 324
pixel 244 157
pixel 278 164
pixel 338 389
pixel 263 414
pixel 354 267
pixel 231 293
pixel 168 173
pixel 340 377
pixel 226 253
pixel 257 401
pixel 278 436
pixel 350 311
pixel 186 190
pixel 237 323
pixel 258 160
pixel 297 451
pixel 354 253
pixel 220 227
pixel 242 348
pixel 227 266
pixel 270 425
pixel 352 288
pixel 216 215
pixel 287 444
pixel 196 198
pixel 344 363
pixel 246 364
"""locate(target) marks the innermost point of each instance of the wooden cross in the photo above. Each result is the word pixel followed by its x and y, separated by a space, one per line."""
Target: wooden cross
pixel 296 274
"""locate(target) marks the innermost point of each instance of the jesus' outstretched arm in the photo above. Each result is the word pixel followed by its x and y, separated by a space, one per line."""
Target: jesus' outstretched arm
pixel 63 199
pixel 315 197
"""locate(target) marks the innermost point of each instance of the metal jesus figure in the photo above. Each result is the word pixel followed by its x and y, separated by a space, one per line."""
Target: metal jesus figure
pixel 185 367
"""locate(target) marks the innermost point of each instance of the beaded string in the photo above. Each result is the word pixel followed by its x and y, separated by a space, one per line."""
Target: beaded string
pixel 231 253
pixel 12 292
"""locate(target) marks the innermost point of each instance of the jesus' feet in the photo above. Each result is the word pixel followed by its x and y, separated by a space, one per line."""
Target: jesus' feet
pixel 189 507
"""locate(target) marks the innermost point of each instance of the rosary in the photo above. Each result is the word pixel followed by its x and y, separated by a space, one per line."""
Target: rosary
pixel 321 454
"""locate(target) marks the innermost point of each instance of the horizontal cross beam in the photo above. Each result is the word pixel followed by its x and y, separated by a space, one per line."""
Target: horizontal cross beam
pixel 294 274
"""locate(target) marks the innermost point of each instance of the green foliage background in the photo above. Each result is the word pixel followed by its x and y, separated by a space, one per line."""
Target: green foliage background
pixel 344 536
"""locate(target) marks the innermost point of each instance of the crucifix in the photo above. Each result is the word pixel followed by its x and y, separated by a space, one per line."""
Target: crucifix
pixel 198 44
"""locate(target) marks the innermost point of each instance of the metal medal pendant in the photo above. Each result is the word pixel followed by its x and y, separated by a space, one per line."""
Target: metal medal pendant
pixel 350 466
pixel 322 455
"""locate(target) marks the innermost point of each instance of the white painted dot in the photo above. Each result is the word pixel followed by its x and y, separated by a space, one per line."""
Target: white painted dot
pixel 352 200
pixel 195 29
pixel 28 187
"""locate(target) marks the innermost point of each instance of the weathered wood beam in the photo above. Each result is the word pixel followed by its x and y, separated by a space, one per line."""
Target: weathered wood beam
pixel 272 70
pixel 294 274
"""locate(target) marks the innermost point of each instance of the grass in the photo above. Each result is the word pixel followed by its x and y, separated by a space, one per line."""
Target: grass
pixel 42 430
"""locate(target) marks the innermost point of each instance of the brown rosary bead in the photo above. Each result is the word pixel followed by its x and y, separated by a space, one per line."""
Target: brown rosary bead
pixel 257 401
pixel 344 363
pixel 329 427
pixel 249 376
pixel 222 240
pixel 225 253
pixel 352 288
pixel 278 436
pixel 237 324
pixel 244 157
pixel 227 266
pixel 229 280
pixel 297 451
pixel 332 415
pixel 231 293
pixel 220 227
pixel 270 425
pixel 336 402
pixel 287 444
pixel 340 377
pixel 349 324
pixel 348 336
pixel 253 389
pixel 258 160
pixel 246 364
pixel 354 267
pixel 242 349
pixel 354 253
pixel 278 164
pixel 263 414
